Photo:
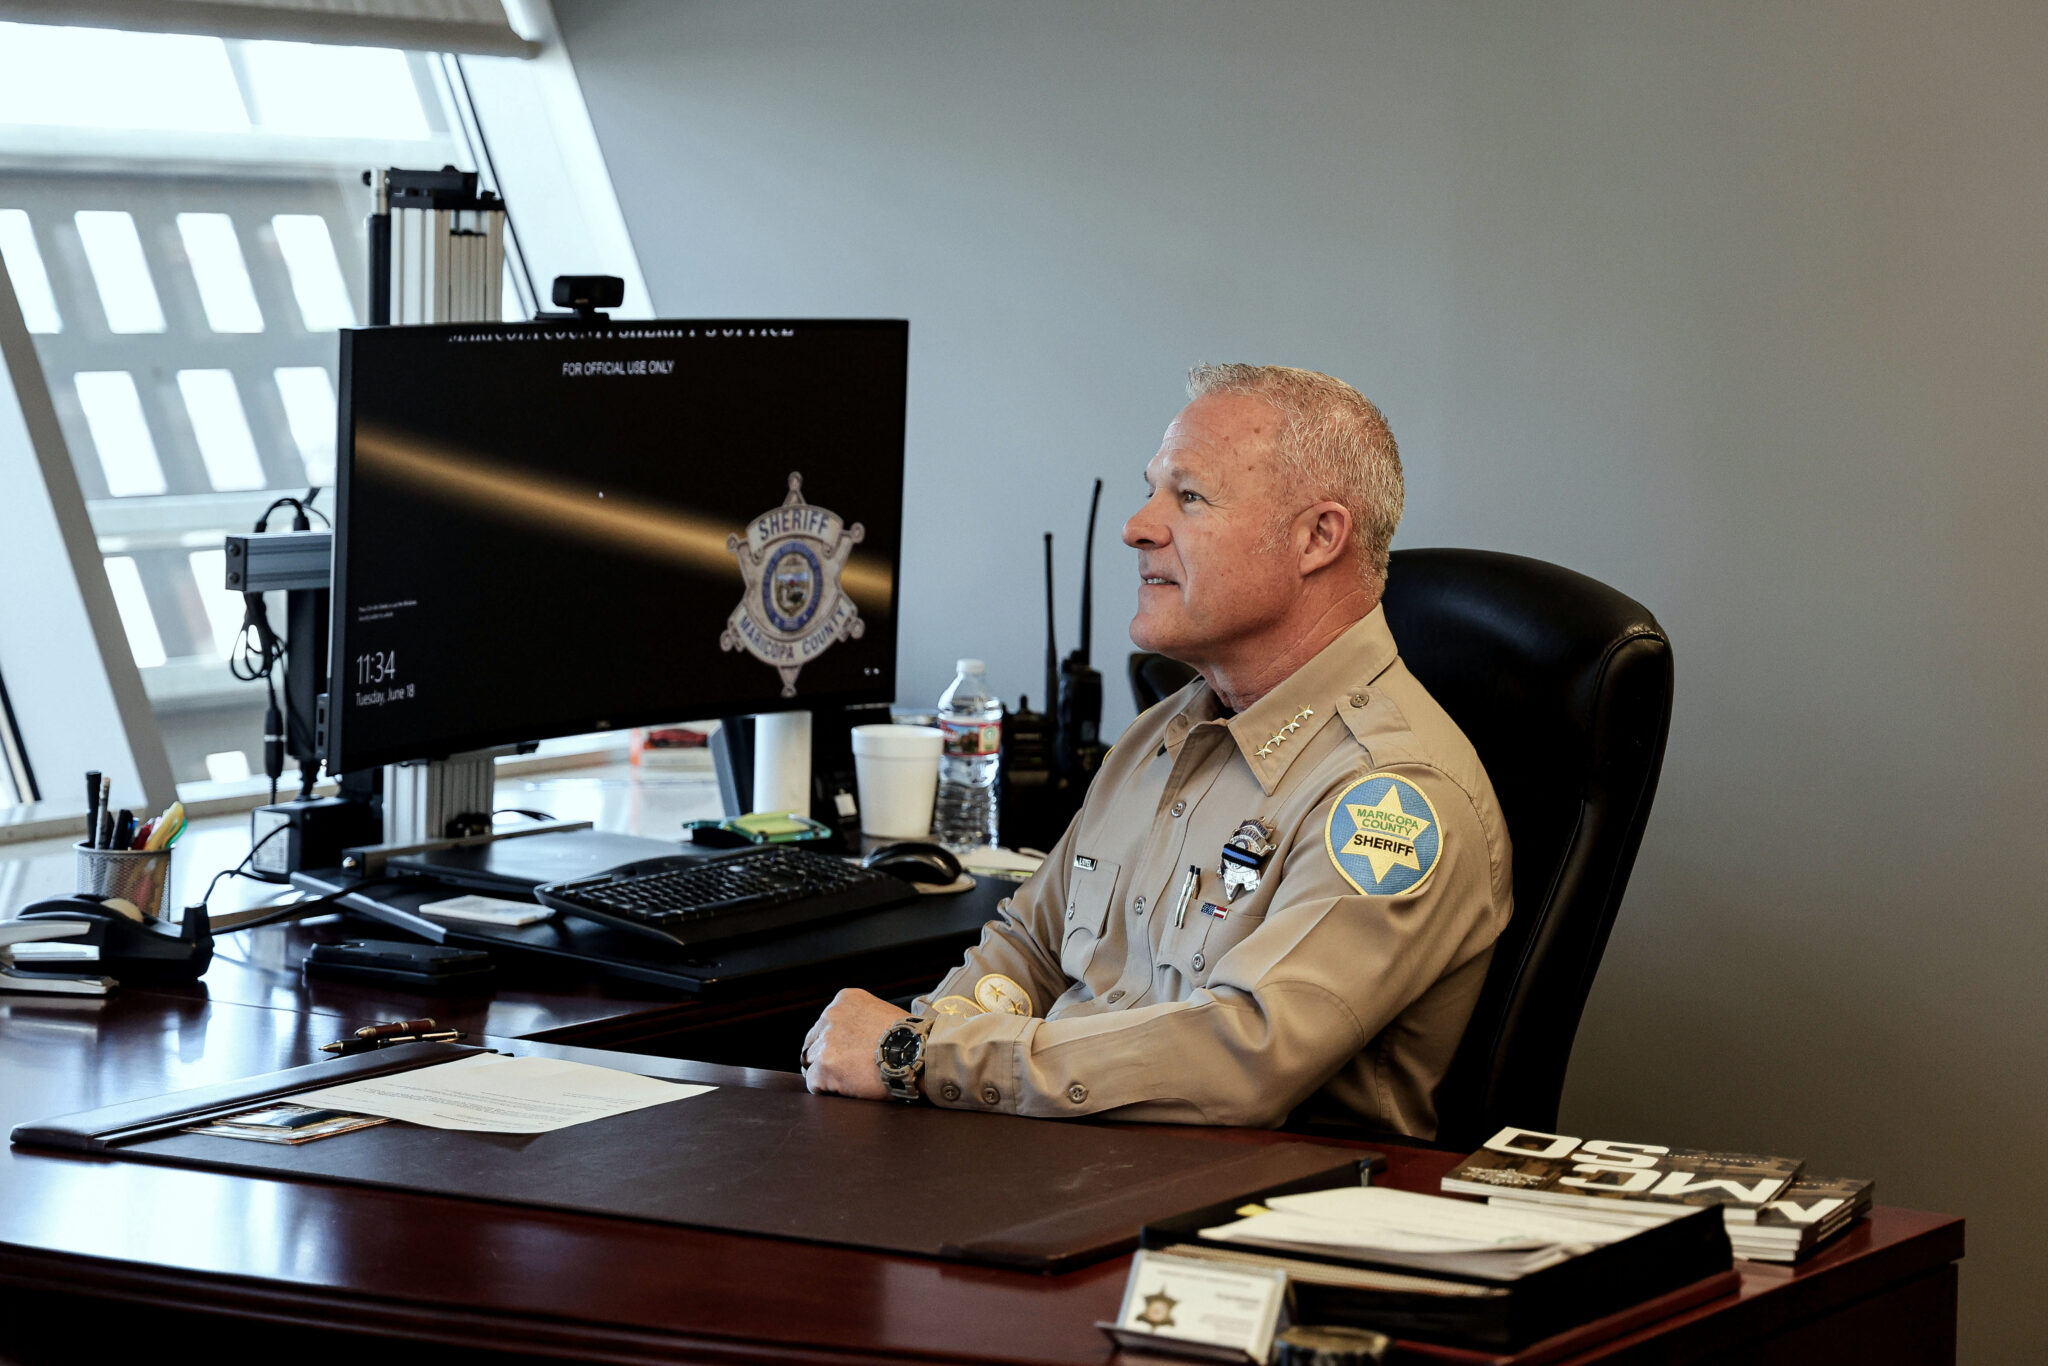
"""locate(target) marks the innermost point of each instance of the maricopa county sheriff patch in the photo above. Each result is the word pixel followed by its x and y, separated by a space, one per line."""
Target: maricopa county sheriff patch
pixel 1383 835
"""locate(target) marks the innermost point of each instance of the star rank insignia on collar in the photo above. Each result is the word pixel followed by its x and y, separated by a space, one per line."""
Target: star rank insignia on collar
pixel 1286 732
pixel 1244 857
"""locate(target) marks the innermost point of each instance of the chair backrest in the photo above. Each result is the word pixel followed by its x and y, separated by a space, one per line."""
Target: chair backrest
pixel 1563 686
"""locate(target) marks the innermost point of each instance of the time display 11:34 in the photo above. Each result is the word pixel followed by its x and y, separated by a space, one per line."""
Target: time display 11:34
pixel 378 666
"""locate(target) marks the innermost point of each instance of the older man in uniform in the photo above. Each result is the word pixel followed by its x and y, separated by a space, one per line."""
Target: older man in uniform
pixel 1284 886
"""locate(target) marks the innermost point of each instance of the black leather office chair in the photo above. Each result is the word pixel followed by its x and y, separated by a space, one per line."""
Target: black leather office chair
pixel 1563 686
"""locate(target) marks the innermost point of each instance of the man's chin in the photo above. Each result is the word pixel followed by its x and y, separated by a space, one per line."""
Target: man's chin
pixel 1149 633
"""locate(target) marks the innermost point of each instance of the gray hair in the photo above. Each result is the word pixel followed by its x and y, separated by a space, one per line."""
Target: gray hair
pixel 1333 444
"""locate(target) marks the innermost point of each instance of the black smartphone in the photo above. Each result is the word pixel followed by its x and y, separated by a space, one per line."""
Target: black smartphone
pixel 423 967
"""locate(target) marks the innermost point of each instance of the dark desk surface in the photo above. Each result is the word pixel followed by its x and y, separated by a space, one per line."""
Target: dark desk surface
pixel 478 1276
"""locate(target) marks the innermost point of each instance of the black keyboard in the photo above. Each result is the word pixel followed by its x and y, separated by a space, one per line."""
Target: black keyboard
pixel 690 900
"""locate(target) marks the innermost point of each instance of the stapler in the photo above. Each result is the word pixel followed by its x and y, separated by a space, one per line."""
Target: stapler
pixel 54 977
pixel 134 947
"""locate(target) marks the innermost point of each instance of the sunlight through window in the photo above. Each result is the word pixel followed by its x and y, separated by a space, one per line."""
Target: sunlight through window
pixel 222 429
pixel 120 434
pixel 143 641
pixel 309 410
pixel 119 270
pixel 327 91
pixel 223 607
pixel 97 78
pixel 215 254
pixel 25 269
pixel 316 273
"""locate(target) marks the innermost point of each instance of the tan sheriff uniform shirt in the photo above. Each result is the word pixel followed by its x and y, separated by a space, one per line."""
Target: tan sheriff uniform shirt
pixel 1347 974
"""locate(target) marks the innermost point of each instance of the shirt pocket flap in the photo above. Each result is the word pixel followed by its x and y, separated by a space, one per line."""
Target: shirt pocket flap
pixel 1090 891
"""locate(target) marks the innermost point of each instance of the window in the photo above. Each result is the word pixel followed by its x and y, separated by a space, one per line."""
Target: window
pixel 185 293
pixel 183 222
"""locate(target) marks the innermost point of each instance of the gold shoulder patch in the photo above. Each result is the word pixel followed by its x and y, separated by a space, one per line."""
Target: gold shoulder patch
pixel 999 995
pixel 1383 835
pixel 955 1005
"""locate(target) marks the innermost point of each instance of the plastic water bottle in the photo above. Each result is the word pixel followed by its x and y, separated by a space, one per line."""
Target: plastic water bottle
pixel 964 816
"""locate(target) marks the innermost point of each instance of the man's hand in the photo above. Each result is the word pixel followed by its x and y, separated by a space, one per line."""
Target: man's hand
pixel 839 1052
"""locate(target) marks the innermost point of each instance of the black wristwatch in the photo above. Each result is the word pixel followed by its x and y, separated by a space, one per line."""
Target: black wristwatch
pixel 900 1056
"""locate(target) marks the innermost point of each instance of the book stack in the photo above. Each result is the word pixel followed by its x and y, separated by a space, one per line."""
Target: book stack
pixel 1774 1212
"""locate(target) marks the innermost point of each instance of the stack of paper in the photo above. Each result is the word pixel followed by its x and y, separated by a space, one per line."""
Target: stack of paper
pixel 491 1093
pixel 1426 1232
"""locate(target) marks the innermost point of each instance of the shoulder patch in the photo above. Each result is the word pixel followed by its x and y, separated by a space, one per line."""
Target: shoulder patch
pixel 955 1005
pixel 1383 835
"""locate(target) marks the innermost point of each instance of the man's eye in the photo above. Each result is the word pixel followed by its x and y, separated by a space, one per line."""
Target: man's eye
pixel 1190 496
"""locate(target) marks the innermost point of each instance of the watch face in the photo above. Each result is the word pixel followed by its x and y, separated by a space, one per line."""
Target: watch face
pixel 901 1046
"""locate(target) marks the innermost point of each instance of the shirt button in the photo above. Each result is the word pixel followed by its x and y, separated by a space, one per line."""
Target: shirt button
pixel 1113 997
pixel 1139 905
pixel 1179 807
pixel 1198 962
pixel 1070 912
pixel 1358 699
pixel 1077 1093
pixel 990 1096
pixel 950 1091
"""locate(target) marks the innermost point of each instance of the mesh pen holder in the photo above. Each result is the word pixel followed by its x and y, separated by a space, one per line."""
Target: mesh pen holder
pixel 141 876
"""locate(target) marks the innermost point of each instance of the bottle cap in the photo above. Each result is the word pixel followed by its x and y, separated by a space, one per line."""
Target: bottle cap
pixel 968 666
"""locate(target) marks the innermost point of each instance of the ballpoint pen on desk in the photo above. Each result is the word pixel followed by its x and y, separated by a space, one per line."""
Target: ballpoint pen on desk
pixel 92 807
pixel 371 1037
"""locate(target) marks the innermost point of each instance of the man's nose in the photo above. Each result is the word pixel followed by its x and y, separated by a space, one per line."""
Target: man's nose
pixel 1145 528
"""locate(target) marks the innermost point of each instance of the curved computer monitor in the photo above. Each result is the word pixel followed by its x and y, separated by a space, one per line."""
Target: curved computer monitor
pixel 559 527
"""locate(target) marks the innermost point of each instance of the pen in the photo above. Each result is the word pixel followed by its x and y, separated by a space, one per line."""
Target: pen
pixel 92 807
pixel 348 1048
pixel 124 830
pixel 1187 891
pixel 103 835
pixel 379 1031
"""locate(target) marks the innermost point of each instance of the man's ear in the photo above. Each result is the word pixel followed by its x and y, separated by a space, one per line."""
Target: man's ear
pixel 1322 534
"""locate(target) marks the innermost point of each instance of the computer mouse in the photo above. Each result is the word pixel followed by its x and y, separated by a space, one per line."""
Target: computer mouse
pixel 915 861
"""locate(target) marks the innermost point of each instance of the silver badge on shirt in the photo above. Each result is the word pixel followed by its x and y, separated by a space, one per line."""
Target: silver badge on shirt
pixel 1244 857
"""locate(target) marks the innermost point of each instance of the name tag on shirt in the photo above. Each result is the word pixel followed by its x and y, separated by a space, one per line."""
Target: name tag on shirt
pixel 1084 863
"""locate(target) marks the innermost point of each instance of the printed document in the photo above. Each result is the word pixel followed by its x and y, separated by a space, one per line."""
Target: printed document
pixel 1423 1231
pixel 490 1093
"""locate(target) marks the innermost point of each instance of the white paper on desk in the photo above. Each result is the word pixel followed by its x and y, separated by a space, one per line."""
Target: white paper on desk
pixel 490 1093
pixel 1411 1229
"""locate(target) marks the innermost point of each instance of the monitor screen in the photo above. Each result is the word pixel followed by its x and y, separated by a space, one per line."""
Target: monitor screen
pixel 559 527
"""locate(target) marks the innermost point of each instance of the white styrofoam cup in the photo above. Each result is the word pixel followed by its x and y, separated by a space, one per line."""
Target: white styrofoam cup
pixel 897 771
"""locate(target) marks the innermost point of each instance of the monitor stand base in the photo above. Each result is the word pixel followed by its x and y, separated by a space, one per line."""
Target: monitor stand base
pixel 424 801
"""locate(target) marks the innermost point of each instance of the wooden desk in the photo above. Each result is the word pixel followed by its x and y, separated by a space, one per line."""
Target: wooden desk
pixel 219 1262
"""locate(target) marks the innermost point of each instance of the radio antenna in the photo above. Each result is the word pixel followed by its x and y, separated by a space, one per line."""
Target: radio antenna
pixel 1052 649
pixel 1087 575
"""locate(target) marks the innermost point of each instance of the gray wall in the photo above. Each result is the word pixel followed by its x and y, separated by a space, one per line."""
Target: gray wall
pixel 1739 307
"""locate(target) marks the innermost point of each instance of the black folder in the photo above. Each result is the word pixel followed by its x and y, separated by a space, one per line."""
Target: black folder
pixel 1501 1315
pixel 1042 1195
